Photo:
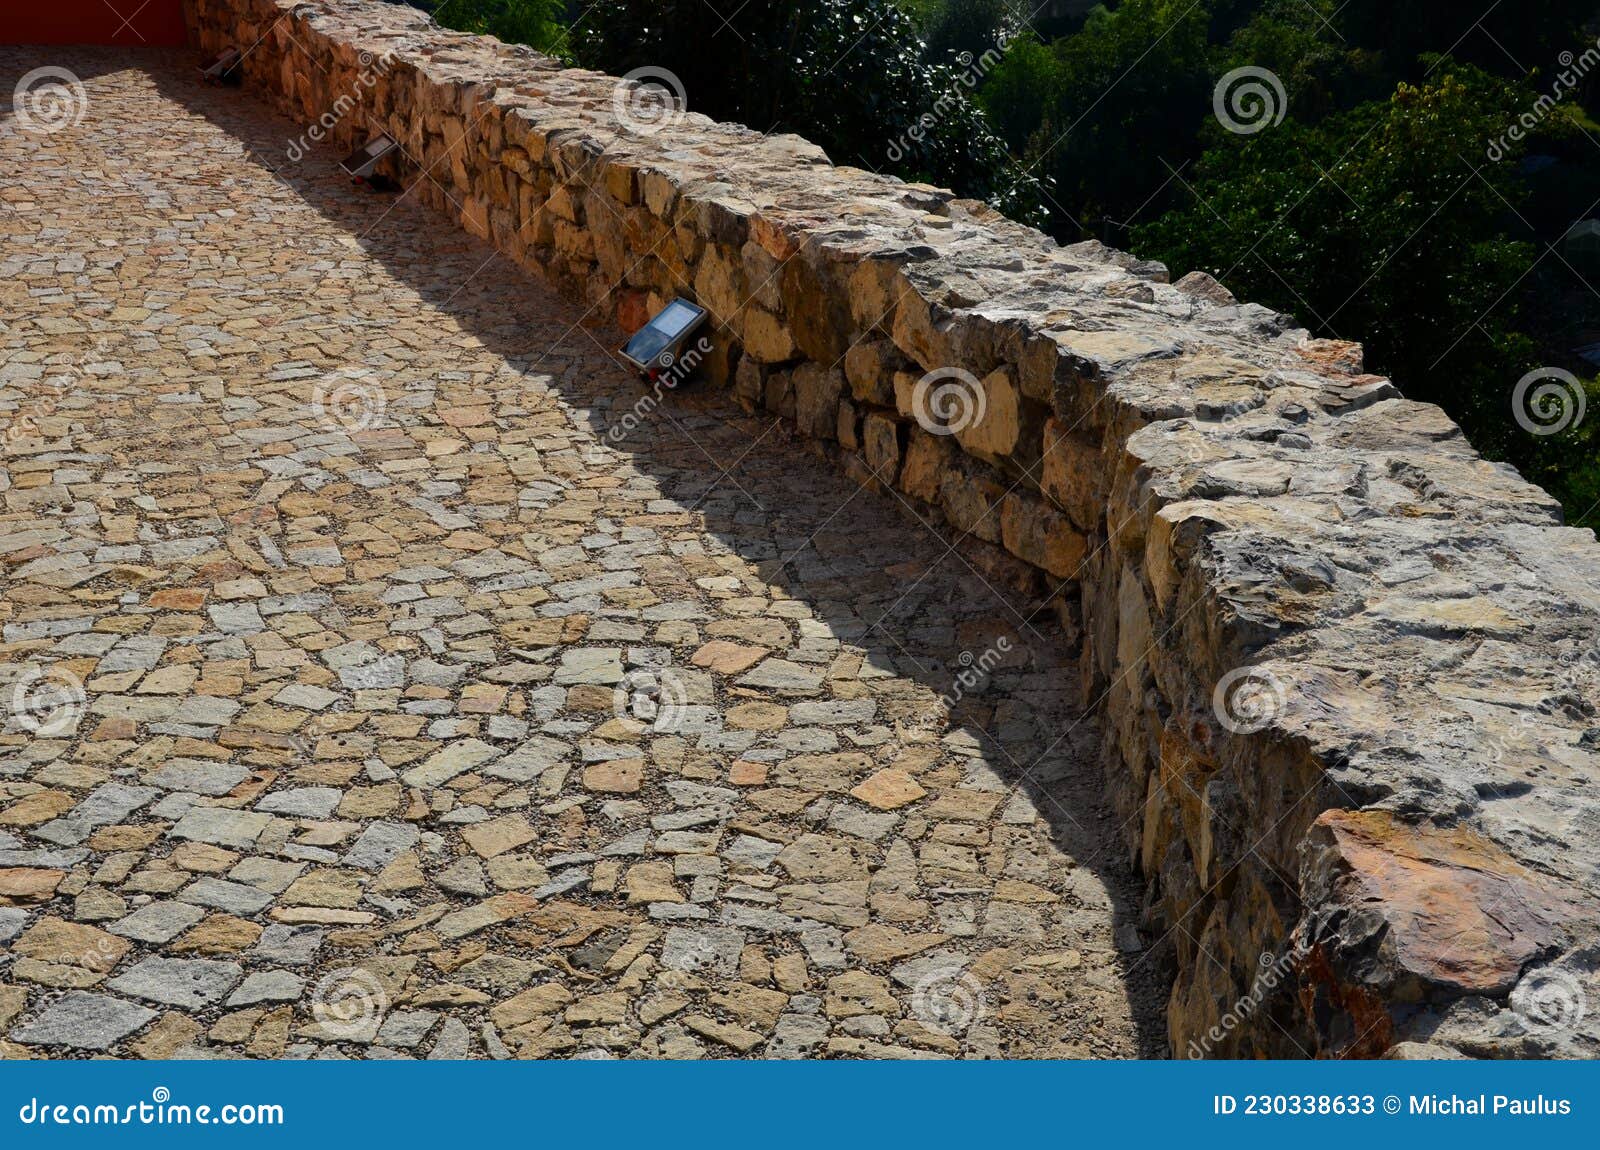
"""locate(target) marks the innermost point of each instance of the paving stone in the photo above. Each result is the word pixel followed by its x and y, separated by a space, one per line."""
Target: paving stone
pixel 221 894
pixel 190 983
pixel 83 1021
pixel 889 789
pixel 456 759
pixel 783 676
pixel 380 844
pixel 294 945
pixel 105 805
pixel 709 950
pixel 407 1028
pixel 157 922
pixel 221 826
pixel 267 986
pixel 454 1042
pixel 302 802
pixel 12 919
pixel 199 776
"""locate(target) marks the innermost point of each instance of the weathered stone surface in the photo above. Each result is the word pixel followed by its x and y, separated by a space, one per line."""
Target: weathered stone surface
pixel 888 789
pixel 84 1021
pixel 190 983
pixel 1447 908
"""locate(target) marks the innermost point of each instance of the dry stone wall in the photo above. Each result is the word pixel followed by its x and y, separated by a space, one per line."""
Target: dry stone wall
pixel 1346 669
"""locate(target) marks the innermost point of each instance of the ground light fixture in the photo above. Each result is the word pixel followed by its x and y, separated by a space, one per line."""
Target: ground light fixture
pixel 223 68
pixel 657 347
pixel 362 162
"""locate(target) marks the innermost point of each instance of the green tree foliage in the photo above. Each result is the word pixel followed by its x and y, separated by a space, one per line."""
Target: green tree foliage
pixel 972 27
pixel 1381 223
pixel 852 75
pixel 1113 108
pixel 1371 211
pixel 1387 224
pixel 534 22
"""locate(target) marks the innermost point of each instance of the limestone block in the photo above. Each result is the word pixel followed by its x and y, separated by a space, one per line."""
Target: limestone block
pixel 816 394
pixel 969 497
pixel 927 459
pixel 882 436
pixel 717 285
pixel 767 338
pixel 870 365
pixel 1072 474
pixel 992 428
pixel 1034 532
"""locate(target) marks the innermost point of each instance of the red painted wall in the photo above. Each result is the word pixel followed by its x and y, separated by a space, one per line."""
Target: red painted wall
pixel 130 22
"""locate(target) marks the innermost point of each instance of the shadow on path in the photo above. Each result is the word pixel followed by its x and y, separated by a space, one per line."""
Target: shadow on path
pixel 878 578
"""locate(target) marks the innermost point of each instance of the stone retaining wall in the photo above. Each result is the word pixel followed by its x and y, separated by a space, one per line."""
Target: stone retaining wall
pixel 1346 669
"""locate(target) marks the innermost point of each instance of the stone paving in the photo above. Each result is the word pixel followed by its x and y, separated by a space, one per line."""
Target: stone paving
pixel 387 674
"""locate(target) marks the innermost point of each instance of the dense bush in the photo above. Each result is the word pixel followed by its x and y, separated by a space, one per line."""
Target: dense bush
pixel 540 23
pixel 1372 225
pixel 852 75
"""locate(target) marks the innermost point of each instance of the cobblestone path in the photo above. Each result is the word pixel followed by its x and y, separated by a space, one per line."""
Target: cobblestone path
pixel 365 695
